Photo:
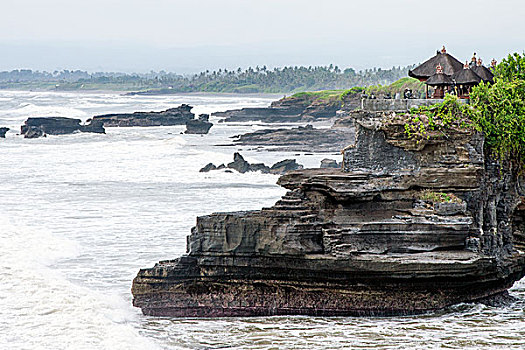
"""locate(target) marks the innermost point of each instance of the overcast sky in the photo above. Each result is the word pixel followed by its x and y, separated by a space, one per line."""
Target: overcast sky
pixel 189 36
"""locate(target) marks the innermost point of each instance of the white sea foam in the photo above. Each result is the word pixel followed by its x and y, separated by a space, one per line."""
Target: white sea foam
pixel 40 309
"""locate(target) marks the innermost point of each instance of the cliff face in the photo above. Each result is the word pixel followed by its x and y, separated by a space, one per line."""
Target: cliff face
pixel 371 238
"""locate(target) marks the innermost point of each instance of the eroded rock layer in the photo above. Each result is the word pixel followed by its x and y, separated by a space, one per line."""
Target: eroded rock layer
pixel 372 238
pixel 172 116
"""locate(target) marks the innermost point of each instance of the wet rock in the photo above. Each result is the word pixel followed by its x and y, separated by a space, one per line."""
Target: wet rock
pixel 95 126
pixel 36 127
pixel 301 108
pixel 173 116
pixel 285 166
pixel 208 167
pixel 299 139
pixel 198 126
pixel 3 131
pixel 239 163
pixel 33 132
pixel 267 115
pixel 242 166
pixel 329 163
pixel 260 167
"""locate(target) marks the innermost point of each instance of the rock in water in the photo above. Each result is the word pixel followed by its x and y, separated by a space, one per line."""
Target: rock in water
pixel 36 127
pixel 285 166
pixel 173 116
pixel 367 239
pixel 3 131
pixel 208 167
pixel 33 132
pixel 300 139
pixel 298 108
pixel 329 163
pixel 239 163
pixel 198 126
pixel 242 166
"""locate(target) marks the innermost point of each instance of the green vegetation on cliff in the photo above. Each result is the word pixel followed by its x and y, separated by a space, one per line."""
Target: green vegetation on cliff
pixel 497 110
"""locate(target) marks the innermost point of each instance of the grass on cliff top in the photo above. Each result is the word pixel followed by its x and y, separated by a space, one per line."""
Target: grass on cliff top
pixel 438 197
pixel 326 95
pixel 398 86
pixel 333 95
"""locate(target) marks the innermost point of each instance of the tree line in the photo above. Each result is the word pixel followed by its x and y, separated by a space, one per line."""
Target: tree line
pixel 249 80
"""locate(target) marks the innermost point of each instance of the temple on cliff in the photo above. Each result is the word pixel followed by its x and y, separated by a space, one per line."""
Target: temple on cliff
pixel 445 74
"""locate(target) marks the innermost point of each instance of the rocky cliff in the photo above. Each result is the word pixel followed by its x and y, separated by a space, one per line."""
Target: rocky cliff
pixel 403 227
pixel 173 116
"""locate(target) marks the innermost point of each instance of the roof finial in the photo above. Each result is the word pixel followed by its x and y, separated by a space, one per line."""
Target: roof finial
pixel 466 65
pixel 480 62
pixel 493 63
pixel 443 50
pixel 474 58
pixel 439 69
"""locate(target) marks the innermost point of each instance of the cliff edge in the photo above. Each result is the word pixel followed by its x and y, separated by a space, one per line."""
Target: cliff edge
pixel 404 227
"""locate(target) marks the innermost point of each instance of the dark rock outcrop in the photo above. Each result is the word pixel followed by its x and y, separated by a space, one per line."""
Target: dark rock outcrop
pixel 300 139
pixel 285 166
pixel 264 114
pixel 242 166
pixel 329 163
pixel 3 131
pixel 37 127
pixel 361 240
pixel 173 116
pixel 33 132
pixel 198 126
pixel 300 108
pixel 208 167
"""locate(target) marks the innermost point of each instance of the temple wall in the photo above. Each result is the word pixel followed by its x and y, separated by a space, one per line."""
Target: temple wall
pixel 398 105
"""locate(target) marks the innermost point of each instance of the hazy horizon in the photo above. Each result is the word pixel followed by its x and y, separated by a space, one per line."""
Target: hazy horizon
pixel 191 36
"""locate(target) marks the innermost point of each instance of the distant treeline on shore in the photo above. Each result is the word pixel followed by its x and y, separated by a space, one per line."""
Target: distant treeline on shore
pixel 250 80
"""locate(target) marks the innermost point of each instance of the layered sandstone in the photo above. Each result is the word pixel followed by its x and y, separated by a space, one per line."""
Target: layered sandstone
pixel 360 240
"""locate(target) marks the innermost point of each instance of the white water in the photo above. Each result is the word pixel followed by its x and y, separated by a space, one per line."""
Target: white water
pixel 80 214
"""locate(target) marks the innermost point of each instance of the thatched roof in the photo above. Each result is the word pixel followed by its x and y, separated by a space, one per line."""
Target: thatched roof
pixel 484 73
pixel 428 68
pixel 466 76
pixel 440 79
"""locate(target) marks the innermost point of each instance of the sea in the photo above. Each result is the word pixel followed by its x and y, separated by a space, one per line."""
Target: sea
pixel 80 214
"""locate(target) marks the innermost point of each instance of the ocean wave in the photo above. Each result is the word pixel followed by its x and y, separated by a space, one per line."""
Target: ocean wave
pixel 41 309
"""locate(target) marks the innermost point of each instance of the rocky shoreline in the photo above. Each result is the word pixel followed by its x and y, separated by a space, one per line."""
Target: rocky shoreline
pixel 302 108
pixel 370 238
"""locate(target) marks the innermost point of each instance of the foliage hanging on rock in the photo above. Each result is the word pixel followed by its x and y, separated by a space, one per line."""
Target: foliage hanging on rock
pixel 497 110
